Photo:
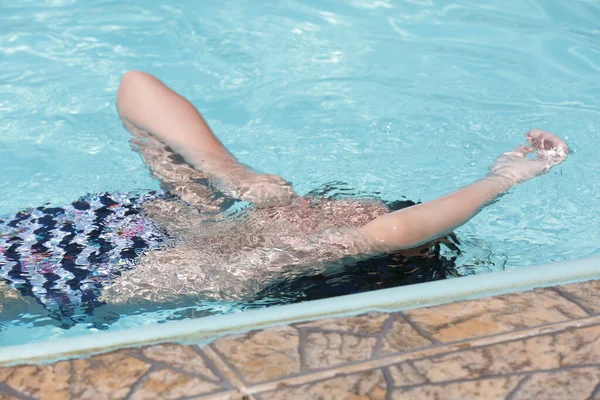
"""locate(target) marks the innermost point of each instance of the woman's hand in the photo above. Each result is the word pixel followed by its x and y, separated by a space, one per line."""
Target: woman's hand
pixel 515 167
pixel 263 190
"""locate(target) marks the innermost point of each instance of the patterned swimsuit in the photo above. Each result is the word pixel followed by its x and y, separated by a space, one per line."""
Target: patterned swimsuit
pixel 62 256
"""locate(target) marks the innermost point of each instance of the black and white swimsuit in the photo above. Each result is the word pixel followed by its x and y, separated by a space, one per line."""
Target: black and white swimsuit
pixel 62 256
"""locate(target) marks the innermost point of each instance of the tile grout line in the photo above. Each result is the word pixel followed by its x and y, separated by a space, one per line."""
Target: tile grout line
pixel 595 393
pixel 70 383
pixel 419 329
pixel 302 349
pixel 385 328
pixel 228 373
pixel 161 365
pixel 224 361
pixel 571 298
pixel 390 384
pixel 139 381
pixel 420 354
pixel 500 375
pixel 7 389
pixel 517 388
pixel 451 381
pixel 211 366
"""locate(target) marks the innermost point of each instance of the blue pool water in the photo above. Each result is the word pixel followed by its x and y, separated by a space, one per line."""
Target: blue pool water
pixel 407 98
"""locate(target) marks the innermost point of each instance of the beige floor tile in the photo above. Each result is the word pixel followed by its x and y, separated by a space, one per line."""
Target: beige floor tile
pixel 402 337
pixel 5 372
pixel 406 373
pixel 371 323
pixel 107 376
pixel 585 293
pixel 169 384
pixel 469 319
pixel 324 350
pixel 563 349
pixel 488 389
pixel 263 355
pixel 41 382
pixel 572 384
pixel 185 358
pixel 363 386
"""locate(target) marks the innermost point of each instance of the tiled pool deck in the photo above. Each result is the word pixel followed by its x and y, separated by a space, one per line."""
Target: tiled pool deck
pixel 541 344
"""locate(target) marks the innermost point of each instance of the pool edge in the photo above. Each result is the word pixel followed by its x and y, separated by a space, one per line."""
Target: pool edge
pixel 394 299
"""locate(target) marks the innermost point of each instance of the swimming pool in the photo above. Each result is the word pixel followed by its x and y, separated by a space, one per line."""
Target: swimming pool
pixel 401 98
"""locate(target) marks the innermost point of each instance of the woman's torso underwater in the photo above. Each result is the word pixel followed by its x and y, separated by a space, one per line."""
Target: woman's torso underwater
pixel 124 248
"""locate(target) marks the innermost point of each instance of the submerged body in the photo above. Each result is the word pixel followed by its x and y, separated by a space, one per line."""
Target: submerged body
pixel 233 256
pixel 127 248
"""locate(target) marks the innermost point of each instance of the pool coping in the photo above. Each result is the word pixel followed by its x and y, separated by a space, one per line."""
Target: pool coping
pixel 203 330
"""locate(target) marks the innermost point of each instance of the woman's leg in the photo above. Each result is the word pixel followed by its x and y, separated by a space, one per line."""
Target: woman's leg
pixel 12 305
pixel 147 105
pixel 177 176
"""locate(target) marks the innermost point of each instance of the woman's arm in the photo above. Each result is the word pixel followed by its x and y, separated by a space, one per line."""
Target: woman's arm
pixel 413 226
pixel 419 224
pixel 147 105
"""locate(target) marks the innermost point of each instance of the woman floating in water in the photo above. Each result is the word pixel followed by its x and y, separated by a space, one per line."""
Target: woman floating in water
pixel 188 242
